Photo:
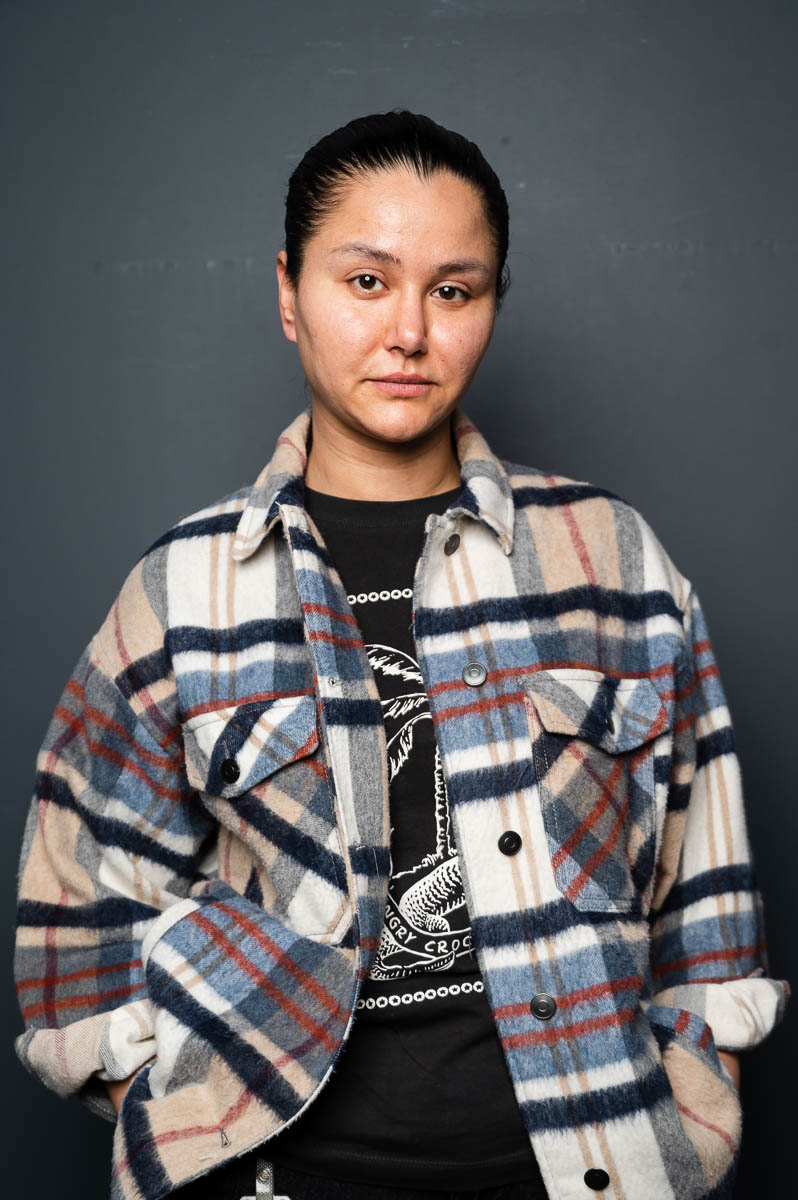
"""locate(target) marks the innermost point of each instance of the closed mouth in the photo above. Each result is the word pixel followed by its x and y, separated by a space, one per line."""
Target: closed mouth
pixel 402 379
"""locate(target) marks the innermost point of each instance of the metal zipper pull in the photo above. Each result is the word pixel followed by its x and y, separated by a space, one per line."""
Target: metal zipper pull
pixel 264 1180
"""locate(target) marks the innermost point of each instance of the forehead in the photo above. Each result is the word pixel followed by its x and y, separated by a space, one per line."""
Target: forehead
pixel 409 216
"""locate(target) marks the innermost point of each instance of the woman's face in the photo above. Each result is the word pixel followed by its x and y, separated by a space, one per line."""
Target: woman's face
pixel 400 279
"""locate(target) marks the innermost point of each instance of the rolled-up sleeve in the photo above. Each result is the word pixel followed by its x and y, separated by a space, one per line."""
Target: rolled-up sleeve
pixel 708 938
pixel 114 837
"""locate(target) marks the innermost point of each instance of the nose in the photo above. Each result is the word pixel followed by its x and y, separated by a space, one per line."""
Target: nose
pixel 406 327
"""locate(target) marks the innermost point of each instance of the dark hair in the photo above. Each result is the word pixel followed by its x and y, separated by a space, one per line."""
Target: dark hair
pixel 383 141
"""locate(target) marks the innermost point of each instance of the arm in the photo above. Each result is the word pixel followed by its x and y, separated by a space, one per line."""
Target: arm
pixel 135 958
pixel 116 1091
pixel 114 837
pixel 708 947
pixel 732 1064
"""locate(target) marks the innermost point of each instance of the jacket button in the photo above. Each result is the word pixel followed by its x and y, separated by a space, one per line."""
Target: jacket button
pixel 230 770
pixel 543 1006
pixel 510 842
pixel 597 1179
pixel 451 543
pixel 474 674
pixel 610 723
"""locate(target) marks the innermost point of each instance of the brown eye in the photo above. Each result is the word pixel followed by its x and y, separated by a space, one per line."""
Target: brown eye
pixel 449 292
pixel 366 283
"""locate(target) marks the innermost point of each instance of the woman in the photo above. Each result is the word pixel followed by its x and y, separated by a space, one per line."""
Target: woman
pixel 389 838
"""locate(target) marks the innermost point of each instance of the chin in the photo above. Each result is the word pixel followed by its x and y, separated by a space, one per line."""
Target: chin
pixel 401 420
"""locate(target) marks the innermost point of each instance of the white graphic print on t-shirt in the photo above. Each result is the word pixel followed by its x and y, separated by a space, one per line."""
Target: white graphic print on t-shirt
pixel 426 925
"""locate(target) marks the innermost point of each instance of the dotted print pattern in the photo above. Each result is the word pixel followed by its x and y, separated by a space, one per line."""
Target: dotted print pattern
pixel 454 989
pixel 370 597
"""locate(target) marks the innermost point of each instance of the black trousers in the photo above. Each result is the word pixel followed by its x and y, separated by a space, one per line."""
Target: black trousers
pixel 237 1179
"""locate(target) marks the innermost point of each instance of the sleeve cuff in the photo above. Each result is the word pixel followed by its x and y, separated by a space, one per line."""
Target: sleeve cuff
pixel 127 1041
pixel 740 1012
pixel 110 1045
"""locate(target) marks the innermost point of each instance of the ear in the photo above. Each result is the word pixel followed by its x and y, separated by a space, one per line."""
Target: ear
pixel 286 297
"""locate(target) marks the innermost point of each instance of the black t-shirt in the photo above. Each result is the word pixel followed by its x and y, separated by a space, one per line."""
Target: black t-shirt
pixel 421 1095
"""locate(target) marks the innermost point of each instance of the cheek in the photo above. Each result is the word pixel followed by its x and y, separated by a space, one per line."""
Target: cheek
pixel 338 335
pixel 462 344
pixel 357 327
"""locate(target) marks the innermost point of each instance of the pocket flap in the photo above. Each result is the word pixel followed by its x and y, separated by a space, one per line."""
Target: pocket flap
pixel 614 713
pixel 231 749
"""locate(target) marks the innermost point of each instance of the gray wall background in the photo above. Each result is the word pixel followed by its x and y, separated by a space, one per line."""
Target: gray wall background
pixel 648 342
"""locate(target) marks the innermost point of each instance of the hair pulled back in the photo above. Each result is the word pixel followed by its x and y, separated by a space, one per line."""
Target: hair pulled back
pixel 383 141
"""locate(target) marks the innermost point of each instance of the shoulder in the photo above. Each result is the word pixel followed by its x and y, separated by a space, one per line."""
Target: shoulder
pixel 137 634
pixel 212 521
pixel 592 533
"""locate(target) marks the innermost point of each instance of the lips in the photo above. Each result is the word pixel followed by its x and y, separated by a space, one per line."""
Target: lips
pixel 400 386
pixel 399 378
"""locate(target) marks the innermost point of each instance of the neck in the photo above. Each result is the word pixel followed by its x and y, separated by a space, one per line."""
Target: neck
pixel 341 463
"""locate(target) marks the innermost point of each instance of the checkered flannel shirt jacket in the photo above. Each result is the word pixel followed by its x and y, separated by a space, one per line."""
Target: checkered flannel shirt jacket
pixel 205 862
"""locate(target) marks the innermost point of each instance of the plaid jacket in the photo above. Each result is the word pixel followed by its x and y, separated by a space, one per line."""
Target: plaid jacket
pixel 205 863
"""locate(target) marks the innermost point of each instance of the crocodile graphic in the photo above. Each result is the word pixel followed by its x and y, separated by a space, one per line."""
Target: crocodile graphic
pixel 426 922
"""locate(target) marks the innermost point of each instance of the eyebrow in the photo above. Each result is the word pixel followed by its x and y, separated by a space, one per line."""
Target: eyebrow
pixel 455 267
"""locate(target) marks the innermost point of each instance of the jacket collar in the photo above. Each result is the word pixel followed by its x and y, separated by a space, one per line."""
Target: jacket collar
pixel 487 493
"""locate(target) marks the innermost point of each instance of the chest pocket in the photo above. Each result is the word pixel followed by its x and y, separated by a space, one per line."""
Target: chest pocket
pixel 231 749
pixel 260 769
pixel 593 739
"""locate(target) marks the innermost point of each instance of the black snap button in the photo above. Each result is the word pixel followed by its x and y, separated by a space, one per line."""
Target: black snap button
pixel 474 674
pixel 597 1179
pixel 230 770
pixel 510 842
pixel 451 543
pixel 543 1006
pixel 610 723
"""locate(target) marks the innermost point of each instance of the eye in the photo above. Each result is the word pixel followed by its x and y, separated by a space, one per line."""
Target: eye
pixel 366 283
pixel 451 290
